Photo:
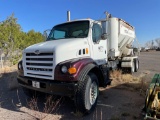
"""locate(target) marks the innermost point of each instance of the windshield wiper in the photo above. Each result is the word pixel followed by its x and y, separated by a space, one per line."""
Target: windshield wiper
pixel 51 39
pixel 77 37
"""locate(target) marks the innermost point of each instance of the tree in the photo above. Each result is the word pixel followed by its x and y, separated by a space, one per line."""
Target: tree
pixel 33 37
pixel 13 39
pixel 9 35
pixel 158 42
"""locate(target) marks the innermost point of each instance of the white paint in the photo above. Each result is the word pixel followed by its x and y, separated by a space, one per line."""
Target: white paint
pixel 99 52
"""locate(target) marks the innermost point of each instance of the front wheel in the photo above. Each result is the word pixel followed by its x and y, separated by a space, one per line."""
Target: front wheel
pixel 87 94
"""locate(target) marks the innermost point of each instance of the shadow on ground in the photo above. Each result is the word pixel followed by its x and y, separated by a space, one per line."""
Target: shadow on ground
pixel 9 89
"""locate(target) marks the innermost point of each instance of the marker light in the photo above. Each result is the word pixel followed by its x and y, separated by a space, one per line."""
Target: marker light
pixel 86 50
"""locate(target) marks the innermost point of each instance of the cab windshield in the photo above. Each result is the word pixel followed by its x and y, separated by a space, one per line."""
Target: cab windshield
pixel 78 29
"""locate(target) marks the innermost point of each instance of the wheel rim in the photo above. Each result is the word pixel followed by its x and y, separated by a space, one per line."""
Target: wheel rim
pixel 93 93
pixel 137 64
pixel 133 67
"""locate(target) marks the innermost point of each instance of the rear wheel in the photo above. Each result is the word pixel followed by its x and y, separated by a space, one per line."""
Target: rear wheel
pixel 133 67
pixel 87 94
pixel 136 65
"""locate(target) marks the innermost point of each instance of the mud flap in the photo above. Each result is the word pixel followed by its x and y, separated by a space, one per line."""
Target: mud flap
pixel 105 71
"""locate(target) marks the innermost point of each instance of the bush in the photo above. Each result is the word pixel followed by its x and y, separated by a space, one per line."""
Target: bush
pixel 14 59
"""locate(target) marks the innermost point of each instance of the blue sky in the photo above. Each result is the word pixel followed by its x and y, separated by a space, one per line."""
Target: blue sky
pixel 39 15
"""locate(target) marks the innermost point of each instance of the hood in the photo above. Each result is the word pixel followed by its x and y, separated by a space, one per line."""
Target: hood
pixel 49 46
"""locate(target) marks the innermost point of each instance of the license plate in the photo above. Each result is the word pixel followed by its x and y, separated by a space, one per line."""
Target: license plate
pixel 35 84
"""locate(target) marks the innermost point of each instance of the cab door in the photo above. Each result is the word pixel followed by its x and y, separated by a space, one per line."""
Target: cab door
pixel 99 46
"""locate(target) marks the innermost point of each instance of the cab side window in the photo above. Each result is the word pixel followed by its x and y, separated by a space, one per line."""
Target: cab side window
pixel 96 32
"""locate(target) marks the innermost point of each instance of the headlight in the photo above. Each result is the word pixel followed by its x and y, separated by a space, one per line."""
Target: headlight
pixel 64 69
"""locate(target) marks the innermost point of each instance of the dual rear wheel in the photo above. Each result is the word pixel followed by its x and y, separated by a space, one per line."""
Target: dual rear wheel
pixel 135 66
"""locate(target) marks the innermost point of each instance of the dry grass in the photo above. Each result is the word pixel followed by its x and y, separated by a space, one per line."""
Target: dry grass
pixel 119 78
pixel 129 82
pixel 50 105
pixel 127 78
pixel 8 69
pixel 116 74
pixel 5 70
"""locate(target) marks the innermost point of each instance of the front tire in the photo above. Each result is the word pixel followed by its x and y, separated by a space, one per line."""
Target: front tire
pixel 87 94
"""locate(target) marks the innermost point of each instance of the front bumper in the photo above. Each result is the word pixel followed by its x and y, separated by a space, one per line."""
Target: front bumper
pixel 48 86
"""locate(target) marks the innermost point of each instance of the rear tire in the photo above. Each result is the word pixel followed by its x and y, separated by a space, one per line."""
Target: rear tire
pixel 87 94
pixel 132 69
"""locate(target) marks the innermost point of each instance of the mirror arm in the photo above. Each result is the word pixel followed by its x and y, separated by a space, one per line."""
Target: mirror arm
pixel 104 36
pixel 45 35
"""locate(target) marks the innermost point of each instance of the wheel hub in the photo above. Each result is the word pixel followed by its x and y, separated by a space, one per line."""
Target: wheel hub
pixel 137 64
pixel 133 67
pixel 93 93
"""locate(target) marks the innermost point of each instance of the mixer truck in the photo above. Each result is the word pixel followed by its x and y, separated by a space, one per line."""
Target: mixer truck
pixel 76 58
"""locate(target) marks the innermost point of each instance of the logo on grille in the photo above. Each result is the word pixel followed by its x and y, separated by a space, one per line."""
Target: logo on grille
pixel 37 52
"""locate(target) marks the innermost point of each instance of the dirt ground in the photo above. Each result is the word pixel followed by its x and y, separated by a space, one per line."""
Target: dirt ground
pixel 123 100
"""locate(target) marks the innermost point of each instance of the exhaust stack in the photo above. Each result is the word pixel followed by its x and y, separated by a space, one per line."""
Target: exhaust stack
pixel 68 16
pixel 108 15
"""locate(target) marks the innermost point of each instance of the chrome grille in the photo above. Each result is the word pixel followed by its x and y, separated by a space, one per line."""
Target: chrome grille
pixel 39 65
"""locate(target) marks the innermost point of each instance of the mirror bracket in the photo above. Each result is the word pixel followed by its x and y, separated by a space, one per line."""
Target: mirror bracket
pixel 104 36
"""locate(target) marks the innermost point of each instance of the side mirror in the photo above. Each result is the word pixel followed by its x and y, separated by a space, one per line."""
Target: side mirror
pixel 46 33
pixel 104 36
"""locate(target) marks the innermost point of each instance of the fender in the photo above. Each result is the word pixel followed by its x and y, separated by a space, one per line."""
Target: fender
pixel 82 66
pixel 85 71
pixel 20 71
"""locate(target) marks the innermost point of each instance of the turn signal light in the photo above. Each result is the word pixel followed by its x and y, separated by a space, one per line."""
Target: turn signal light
pixel 72 70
